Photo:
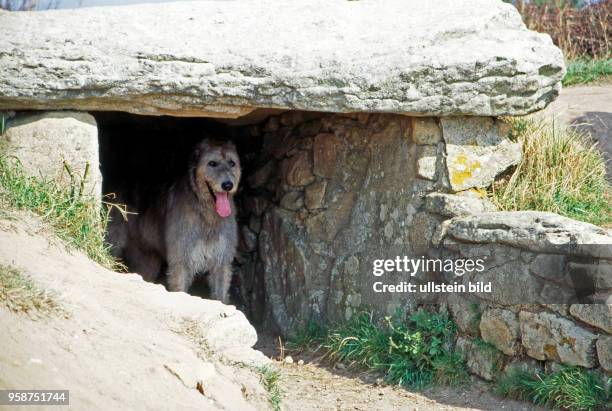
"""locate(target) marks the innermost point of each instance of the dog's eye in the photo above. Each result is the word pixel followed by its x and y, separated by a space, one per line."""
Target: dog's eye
pixel 213 164
pixel 231 163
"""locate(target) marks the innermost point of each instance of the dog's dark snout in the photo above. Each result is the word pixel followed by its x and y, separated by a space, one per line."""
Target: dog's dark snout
pixel 227 185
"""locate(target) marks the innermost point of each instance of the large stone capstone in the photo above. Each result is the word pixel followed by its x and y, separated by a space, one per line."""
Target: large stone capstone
pixel 227 58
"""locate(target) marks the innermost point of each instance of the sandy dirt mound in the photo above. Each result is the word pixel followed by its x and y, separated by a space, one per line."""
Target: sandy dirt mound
pixel 121 343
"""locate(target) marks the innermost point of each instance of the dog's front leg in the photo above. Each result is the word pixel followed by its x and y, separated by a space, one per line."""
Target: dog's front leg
pixel 220 279
pixel 178 278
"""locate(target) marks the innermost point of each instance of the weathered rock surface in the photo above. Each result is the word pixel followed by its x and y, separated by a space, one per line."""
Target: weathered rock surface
pixel 604 352
pixel 597 315
pixel 123 343
pixel 533 230
pixel 426 131
pixel 452 205
pixel 477 150
pixel 48 144
pixel 482 360
pixel 500 328
pixel 224 59
pixel 537 250
pixel 360 200
pixel 466 314
pixel 547 336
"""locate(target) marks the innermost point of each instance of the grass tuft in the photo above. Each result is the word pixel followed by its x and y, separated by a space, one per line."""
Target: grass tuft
pixel 561 171
pixel 74 215
pixel 413 353
pixel 570 388
pixel 20 295
pixel 308 338
pixel 270 378
pixel 583 71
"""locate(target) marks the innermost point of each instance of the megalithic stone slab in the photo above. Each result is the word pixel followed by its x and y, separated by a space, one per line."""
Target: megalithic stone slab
pixel 228 58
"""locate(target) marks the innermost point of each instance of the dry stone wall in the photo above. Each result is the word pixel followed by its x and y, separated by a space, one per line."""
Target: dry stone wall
pixel 540 262
pixel 332 193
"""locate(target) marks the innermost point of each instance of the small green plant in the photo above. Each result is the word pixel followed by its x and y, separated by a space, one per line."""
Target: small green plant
pixel 75 216
pixel 583 71
pixel 570 388
pixel 270 378
pixel 561 171
pixel 19 294
pixel 412 353
pixel 449 369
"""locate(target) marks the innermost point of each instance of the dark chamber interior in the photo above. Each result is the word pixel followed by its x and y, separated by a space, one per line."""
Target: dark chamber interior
pixel 139 152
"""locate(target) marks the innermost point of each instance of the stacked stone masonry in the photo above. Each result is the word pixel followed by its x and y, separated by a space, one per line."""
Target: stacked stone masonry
pixel 337 191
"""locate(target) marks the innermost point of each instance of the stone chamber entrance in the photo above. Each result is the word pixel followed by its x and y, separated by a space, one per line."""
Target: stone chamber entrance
pixel 321 194
pixel 139 152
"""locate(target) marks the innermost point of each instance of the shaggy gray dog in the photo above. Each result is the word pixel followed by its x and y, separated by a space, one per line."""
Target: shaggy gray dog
pixel 191 226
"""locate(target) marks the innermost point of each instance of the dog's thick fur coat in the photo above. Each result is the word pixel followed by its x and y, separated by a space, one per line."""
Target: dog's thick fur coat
pixel 185 226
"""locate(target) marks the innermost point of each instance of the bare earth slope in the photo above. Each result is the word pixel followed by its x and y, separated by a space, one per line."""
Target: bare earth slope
pixel 123 343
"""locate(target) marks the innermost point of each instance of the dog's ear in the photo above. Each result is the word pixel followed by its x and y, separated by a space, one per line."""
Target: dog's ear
pixel 230 145
pixel 198 151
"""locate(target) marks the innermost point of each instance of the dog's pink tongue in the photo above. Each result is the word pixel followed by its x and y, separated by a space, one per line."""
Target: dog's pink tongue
pixel 222 205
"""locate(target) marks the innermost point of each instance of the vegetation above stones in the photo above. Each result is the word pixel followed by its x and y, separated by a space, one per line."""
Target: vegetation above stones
pixel 74 215
pixel 583 71
pixel 19 294
pixel 560 171
pixel 413 353
pixel 570 388
pixel 580 29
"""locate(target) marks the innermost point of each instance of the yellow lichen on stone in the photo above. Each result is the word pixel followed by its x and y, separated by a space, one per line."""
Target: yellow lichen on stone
pixel 462 169
pixel 551 352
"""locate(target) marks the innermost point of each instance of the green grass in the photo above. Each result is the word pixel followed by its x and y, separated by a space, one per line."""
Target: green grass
pixel 308 338
pixel 561 171
pixel 75 216
pixel 20 295
pixel 583 71
pixel 570 388
pixel 412 353
pixel 270 378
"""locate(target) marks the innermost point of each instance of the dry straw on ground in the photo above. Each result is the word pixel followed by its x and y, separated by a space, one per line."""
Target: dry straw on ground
pixel 561 171
pixel 20 295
